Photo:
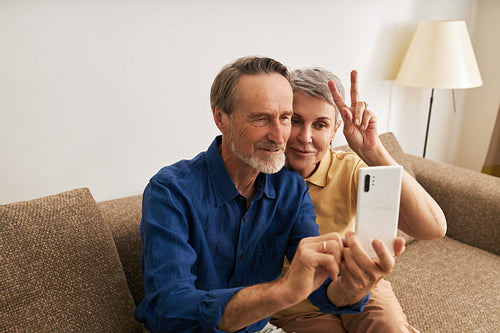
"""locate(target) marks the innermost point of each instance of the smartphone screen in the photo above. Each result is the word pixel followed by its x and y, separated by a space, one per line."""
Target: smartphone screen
pixel 377 210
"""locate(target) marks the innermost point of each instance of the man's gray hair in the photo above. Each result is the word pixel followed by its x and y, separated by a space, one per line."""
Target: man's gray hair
pixel 222 93
pixel 313 82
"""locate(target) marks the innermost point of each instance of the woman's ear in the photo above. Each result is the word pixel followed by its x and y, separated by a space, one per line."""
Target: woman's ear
pixel 337 126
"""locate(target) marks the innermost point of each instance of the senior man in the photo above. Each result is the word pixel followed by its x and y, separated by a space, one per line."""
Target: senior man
pixel 215 229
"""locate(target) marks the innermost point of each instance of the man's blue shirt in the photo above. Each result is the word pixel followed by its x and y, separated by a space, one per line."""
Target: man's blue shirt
pixel 201 244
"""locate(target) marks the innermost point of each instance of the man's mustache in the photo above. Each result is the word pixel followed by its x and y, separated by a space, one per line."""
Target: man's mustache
pixel 270 146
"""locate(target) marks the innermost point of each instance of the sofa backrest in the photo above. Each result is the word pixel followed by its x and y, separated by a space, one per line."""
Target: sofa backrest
pixel 469 199
pixel 59 268
pixel 124 218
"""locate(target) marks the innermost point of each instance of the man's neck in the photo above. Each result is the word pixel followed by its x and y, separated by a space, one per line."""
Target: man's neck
pixel 242 175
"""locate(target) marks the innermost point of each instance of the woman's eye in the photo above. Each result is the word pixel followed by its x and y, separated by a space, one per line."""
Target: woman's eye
pixel 320 126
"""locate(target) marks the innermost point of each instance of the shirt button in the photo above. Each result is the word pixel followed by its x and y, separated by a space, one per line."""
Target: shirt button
pixel 245 219
pixel 243 256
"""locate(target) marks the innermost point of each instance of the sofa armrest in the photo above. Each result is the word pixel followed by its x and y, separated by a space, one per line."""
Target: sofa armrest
pixel 470 201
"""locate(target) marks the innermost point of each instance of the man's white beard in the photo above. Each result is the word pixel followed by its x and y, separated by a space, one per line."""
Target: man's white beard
pixel 270 165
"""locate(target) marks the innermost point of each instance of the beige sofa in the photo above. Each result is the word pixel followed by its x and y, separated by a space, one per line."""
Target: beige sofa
pixel 68 263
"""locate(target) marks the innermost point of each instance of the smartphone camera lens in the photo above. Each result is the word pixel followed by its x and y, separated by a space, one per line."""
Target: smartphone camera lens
pixel 367 183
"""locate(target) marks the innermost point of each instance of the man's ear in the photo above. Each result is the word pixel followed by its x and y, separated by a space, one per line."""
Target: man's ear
pixel 219 118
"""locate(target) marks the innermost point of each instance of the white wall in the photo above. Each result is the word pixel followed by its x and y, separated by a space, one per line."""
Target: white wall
pixel 102 94
pixel 482 104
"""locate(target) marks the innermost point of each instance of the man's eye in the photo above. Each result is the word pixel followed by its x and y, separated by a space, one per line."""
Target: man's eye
pixel 260 121
pixel 295 121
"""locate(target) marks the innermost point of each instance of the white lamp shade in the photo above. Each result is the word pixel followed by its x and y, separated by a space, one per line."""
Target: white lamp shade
pixel 440 56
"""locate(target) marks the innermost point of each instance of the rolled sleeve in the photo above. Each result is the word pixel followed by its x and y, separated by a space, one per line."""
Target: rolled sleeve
pixel 183 311
pixel 212 307
pixel 320 299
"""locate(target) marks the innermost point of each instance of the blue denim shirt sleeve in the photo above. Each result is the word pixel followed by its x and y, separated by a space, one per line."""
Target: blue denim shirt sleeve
pixel 320 299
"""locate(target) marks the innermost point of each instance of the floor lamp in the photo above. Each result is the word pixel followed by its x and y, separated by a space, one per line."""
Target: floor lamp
pixel 440 56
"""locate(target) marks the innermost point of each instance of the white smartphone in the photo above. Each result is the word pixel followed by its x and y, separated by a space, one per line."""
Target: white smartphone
pixel 377 210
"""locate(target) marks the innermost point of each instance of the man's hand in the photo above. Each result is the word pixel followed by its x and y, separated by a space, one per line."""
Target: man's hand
pixel 316 259
pixel 359 273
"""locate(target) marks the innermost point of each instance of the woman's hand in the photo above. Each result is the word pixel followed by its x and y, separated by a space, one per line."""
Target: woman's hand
pixel 360 124
pixel 359 273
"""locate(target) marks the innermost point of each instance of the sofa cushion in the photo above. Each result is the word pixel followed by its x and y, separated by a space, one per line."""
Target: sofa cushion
pixel 448 286
pixel 124 218
pixel 59 268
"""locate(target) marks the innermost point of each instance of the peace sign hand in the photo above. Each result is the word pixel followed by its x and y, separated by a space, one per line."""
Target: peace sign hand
pixel 360 124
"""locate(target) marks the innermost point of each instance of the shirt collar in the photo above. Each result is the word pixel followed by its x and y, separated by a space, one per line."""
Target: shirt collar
pixel 263 186
pixel 222 184
pixel 319 177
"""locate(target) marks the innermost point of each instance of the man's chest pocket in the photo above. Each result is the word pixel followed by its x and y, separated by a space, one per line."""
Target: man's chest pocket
pixel 270 254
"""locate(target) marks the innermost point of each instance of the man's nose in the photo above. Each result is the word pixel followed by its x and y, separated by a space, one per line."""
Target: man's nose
pixel 279 132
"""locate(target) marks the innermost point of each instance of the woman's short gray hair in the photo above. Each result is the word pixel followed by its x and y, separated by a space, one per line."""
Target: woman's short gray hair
pixel 313 82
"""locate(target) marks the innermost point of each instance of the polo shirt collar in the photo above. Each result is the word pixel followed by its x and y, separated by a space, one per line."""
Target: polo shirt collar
pixel 319 177
pixel 222 184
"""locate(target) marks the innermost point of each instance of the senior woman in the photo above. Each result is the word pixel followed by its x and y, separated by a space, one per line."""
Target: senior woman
pixel 332 180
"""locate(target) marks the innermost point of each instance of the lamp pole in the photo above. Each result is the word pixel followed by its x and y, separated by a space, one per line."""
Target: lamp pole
pixel 428 122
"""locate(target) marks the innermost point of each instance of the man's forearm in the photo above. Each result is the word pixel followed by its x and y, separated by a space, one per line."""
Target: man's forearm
pixel 252 304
